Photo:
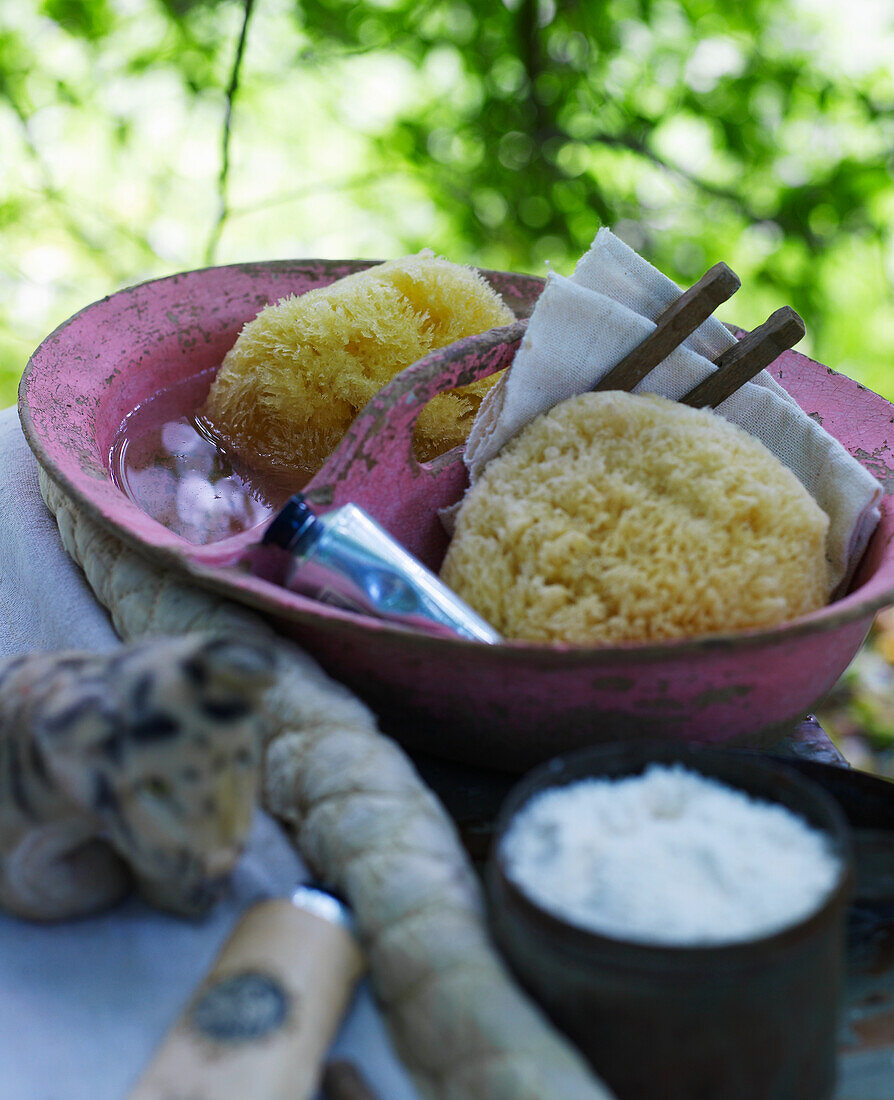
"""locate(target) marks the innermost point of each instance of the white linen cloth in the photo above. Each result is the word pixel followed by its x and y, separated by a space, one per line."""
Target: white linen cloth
pixel 83 1004
pixel 583 325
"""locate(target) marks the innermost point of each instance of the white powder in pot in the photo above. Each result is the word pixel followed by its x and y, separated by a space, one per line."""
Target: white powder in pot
pixel 668 857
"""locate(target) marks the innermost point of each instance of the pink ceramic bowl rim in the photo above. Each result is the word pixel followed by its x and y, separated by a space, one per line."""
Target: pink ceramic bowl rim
pixel 105 346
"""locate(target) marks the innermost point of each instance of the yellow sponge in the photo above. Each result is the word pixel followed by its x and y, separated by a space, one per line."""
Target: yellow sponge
pixel 615 518
pixel 304 367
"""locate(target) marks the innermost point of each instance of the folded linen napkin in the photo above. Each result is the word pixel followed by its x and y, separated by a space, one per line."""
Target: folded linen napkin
pixel 583 326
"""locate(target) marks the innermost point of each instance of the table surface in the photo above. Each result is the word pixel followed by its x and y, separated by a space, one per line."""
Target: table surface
pixel 866 1036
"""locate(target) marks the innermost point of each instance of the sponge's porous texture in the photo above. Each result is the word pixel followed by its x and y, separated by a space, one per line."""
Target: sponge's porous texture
pixel 615 517
pixel 300 372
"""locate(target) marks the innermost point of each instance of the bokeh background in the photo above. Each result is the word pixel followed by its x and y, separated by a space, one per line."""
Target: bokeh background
pixel 143 137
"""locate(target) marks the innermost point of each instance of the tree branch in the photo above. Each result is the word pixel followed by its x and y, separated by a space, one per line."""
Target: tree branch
pixel 544 126
pixel 223 210
pixel 636 145
pixel 321 188
pixel 48 190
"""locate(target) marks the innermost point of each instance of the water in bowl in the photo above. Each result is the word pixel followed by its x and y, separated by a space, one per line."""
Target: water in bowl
pixel 167 460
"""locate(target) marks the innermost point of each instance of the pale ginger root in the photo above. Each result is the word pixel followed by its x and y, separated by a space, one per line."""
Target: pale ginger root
pixel 143 764
pixel 618 517
pixel 300 372
pixel 368 825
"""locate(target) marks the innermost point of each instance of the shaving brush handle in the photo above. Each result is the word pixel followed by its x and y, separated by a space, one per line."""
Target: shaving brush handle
pixel 262 1020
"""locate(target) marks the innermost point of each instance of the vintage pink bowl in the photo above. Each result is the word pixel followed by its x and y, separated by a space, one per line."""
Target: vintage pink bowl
pixel 508 706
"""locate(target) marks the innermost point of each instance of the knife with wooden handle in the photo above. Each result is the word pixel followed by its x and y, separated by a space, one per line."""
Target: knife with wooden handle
pixel 263 1019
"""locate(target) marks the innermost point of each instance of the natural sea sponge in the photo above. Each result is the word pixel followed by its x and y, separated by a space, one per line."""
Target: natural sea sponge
pixel 300 372
pixel 615 517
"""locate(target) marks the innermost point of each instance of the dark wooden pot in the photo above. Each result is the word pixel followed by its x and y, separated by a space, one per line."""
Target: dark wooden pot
pixel 743 1021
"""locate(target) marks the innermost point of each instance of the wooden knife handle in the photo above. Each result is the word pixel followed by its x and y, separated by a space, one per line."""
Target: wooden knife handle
pixel 262 1020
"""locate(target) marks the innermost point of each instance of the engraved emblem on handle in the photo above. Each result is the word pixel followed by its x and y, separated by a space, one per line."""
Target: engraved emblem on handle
pixel 241 1008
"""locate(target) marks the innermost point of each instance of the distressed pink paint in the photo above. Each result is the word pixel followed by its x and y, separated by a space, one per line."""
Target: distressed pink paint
pixel 507 706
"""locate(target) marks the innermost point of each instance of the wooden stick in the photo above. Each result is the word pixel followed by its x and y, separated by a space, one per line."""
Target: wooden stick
pixel 678 321
pixel 782 330
pixel 343 1081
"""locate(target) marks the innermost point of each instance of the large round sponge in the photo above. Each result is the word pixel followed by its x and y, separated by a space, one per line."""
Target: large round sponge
pixel 300 372
pixel 616 517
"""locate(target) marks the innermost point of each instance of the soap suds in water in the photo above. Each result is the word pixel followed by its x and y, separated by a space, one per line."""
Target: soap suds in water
pixel 668 857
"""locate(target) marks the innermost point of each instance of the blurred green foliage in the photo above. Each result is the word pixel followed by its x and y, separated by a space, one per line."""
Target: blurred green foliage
pixel 859 711
pixel 139 138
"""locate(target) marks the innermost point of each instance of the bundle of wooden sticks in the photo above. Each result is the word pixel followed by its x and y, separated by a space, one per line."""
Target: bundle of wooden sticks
pixel 756 350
